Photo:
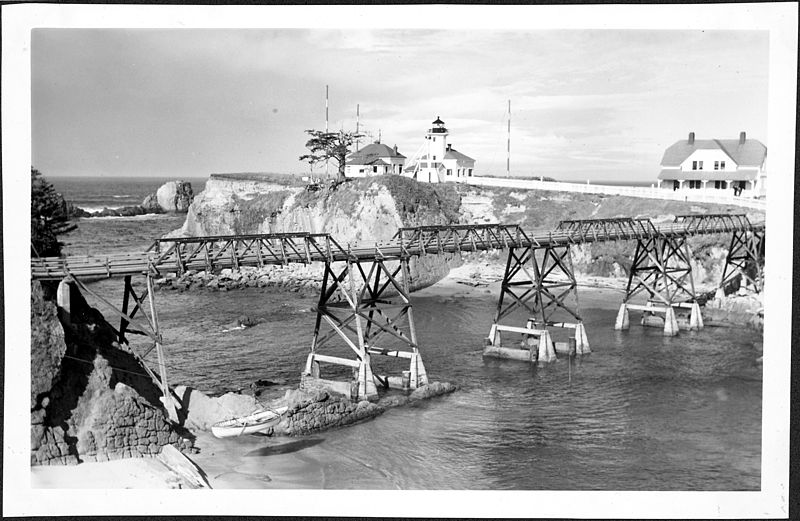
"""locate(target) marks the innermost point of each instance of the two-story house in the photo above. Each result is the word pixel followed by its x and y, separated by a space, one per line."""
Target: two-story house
pixel 716 164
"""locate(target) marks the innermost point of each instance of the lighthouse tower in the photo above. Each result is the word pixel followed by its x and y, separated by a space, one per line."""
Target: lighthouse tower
pixel 431 163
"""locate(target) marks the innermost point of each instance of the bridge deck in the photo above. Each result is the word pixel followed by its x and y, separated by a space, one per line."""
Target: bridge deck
pixel 177 255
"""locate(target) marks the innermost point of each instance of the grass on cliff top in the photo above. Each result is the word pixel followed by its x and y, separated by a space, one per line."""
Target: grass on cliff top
pixel 544 209
pixel 264 177
pixel 417 203
pixel 263 207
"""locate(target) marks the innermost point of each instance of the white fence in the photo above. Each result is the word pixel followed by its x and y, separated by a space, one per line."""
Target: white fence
pixel 631 191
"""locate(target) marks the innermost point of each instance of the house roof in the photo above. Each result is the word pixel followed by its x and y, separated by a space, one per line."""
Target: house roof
pixel 452 153
pixel 743 174
pixel 372 152
pixel 750 153
pixel 368 161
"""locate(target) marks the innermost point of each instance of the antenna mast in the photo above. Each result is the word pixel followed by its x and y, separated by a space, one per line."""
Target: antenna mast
pixel 327 161
pixel 508 156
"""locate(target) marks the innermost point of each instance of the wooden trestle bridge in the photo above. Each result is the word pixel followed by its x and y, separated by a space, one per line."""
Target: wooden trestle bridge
pixel 539 280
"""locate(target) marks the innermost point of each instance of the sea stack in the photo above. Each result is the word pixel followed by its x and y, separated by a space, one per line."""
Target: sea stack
pixel 174 196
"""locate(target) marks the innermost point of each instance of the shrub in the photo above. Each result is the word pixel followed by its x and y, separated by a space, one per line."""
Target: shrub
pixel 49 217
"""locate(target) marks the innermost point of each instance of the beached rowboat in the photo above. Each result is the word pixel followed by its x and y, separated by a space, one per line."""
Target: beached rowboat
pixel 250 424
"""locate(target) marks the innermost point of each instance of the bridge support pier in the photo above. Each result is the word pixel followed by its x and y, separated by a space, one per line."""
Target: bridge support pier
pixel 661 268
pixel 538 281
pixel 363 316
pixel 745 261
pixel 149 328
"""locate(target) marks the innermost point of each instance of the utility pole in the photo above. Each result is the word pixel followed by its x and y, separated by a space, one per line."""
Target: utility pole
pixel 327 161
pixel 508 156
pixel 358 140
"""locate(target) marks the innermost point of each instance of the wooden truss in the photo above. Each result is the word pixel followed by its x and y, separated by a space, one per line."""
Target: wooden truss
pixel 661 268
pixel 745 259
pixel 540 281
pixel 232 251
pixel 364 317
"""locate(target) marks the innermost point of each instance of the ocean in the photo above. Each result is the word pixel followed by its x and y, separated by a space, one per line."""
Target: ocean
pixel 115 234
pixel 642 412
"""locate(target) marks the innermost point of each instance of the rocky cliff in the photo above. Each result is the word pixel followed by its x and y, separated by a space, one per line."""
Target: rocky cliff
pixel 90 398
pixel 542 210
pixel 370 209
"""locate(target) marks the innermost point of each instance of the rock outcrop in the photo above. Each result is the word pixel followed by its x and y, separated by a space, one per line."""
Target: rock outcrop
pixel 308 412
pixel 174 196
pixel 360 210
pixel 90 398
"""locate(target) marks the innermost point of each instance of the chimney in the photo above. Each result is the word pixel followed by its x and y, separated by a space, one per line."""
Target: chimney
pixel 395 150
pixel 742 138
pixel 691 138
pixel 449 146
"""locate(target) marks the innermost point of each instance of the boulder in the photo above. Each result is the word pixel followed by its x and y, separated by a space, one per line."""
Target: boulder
pixel 175 196
pixel 150 203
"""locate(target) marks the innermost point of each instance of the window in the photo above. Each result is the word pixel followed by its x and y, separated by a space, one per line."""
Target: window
pixel 695 184
pixel 374 169
pixel 716 165
pixel 722 165
pixel 469 172
pixel 720 185
pixel 676 184
pixel 400 171
pixel 449 171
pixel 694 165
pixel 434 158
pixel 700 165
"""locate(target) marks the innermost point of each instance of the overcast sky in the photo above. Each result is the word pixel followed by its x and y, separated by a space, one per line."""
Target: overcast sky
pixel 596 104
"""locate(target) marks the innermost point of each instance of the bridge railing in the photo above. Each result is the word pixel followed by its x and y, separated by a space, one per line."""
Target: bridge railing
pixel 230 251
pixel 275 248
pixel 705 222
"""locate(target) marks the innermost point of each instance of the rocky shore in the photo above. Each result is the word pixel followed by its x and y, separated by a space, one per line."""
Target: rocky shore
pixel 173 196
pixel 91 401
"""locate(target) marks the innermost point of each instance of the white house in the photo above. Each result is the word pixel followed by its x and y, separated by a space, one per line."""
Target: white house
pixel 374 159
pixel 439 161
pixel 716 164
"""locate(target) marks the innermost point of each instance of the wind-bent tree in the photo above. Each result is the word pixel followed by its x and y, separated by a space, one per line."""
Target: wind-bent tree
pixel 49 217
pixel 329 145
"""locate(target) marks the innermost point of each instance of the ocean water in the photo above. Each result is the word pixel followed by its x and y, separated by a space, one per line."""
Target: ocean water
pixel 642 412
pixel 115 234
pixel 98 192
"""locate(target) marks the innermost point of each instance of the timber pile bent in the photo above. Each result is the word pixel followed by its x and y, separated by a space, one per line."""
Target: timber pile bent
pixel 355 312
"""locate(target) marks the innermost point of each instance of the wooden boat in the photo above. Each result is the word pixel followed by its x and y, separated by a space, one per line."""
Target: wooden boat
pixel 250 424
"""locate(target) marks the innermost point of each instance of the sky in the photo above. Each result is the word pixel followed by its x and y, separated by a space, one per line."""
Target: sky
pixel 599 105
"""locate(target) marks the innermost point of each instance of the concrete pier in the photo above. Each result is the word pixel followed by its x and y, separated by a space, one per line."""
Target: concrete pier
pixel 670 322
pixel 547 351
pixel 696 317
pixel 581 340
pixel 623 322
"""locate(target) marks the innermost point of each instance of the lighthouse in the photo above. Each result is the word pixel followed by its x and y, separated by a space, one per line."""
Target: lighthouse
pixel 439 161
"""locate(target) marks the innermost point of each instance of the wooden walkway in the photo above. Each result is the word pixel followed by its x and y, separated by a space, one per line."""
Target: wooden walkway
pixel 177 255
